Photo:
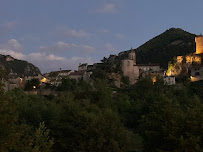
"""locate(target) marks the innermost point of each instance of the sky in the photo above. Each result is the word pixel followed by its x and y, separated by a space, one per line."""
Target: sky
pixel 54 34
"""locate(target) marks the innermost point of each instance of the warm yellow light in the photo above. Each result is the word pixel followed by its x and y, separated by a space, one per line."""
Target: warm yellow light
pixel 43 80
pixel 154 79
pixel 34 87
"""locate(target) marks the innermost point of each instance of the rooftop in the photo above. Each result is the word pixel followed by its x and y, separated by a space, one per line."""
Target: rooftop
pixel 77 73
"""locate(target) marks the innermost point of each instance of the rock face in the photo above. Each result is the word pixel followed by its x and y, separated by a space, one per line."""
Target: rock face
pixel 18 67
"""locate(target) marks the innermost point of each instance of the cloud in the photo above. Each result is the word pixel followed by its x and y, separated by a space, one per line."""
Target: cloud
pixel 32 56
pixel 62 46
pixel 42 56
pixel 67 32
pixel 108 8
pixel 12 44
pixel 14 54
pixel 120 36
pixel 49 62
pixel 109 47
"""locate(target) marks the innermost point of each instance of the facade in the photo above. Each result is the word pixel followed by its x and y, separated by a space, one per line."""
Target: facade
pixel 79 75
pixel 196 73
pixel 199 44
pixel 169 80
pixel 134 71
pixel 82 67
pixel 130 70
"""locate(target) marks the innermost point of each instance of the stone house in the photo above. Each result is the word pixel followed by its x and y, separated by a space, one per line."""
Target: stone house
pixel 82 67
pixel 169 80
pixel 80 75
pixel 196 73
pixel 64 73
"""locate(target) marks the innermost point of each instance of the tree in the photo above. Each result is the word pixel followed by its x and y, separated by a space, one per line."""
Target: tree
pixel 32 84
pixel 42 142
pixel 68 85
pixel 173 126
pixel 106 133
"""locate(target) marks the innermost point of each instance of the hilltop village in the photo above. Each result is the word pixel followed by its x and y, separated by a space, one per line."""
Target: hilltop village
pixel 118 105
pixel 188 65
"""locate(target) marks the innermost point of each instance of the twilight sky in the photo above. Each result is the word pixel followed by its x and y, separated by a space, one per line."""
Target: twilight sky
pixel 55 34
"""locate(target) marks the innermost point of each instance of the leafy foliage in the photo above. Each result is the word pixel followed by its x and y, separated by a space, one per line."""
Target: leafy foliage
pixel 91 117
pixel 32 84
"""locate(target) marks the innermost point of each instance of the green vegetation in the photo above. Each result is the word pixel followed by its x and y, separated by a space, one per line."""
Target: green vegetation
pixel 22 68
pixel 164 47
pixel 32 84
pixel 90 117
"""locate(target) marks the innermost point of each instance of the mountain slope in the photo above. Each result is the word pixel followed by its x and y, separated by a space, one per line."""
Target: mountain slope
pixel 18 66
pixel 164 47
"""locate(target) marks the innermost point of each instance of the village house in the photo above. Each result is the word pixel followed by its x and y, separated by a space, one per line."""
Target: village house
pixel 169 80
pixel 64 73
pixel 82 67
pixel 79 75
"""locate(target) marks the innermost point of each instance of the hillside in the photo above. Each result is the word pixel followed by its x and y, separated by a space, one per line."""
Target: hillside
pixel 18 66
pixel 162 48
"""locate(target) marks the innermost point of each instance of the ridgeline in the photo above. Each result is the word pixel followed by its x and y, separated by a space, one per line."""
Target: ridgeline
pixel 19 67
pixel 162 48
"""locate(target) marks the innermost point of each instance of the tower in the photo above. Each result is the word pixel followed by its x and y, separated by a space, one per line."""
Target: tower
pixel 199 44
pixel 128 67
pixel 132 56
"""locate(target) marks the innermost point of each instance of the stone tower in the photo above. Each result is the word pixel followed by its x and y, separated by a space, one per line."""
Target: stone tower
pixel 132 56
pixel 199 44
pixel 128 67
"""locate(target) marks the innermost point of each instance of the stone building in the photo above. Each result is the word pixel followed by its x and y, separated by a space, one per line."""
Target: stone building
pixel 191 64
pixel 199 44
pixel 79 75
pixel 170 80
pixel 82 67
pixel 133 70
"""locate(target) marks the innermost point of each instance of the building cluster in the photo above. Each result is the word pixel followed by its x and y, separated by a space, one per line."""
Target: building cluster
pixel 136 71
pixel 191 64
pixel 13 80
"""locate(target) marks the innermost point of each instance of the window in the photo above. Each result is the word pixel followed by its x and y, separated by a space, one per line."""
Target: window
pixel 128 64
pixel 197 73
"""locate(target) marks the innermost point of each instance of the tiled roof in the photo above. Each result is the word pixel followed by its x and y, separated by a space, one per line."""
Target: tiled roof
pixel 77 73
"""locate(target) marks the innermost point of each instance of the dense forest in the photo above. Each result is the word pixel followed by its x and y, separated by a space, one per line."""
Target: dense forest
pixel 89 117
